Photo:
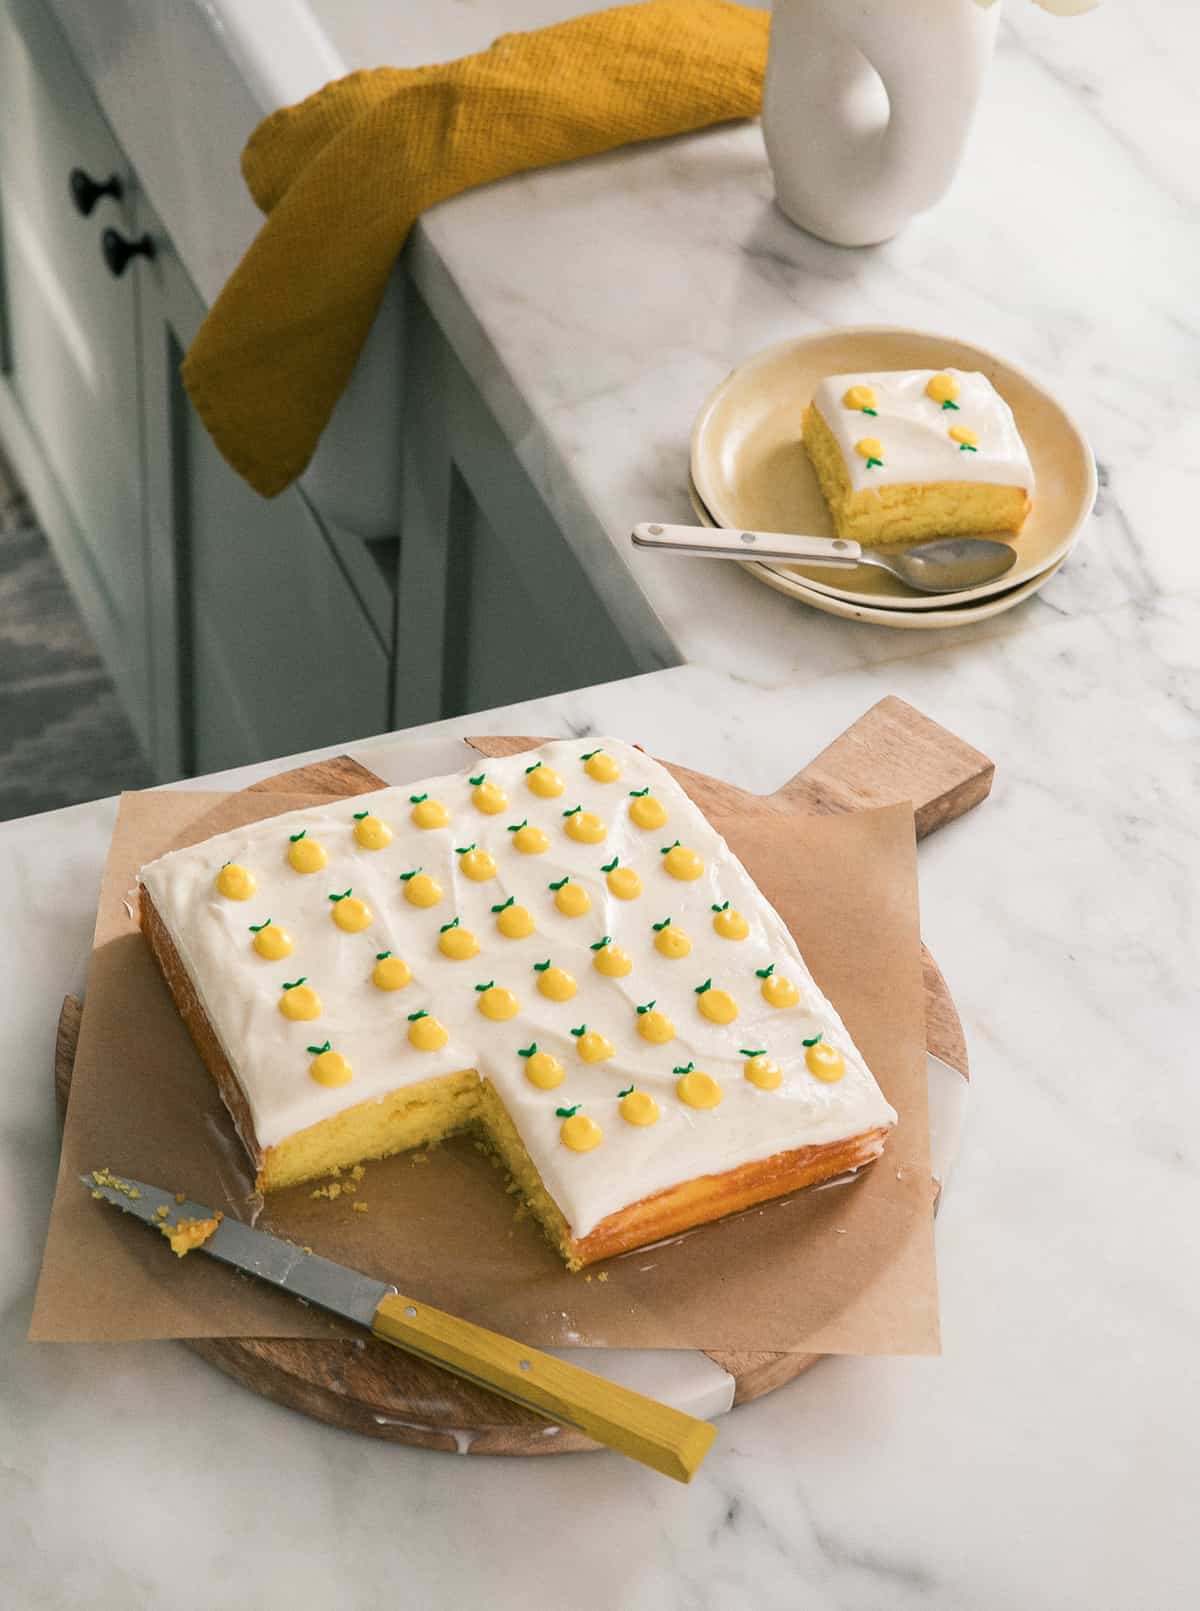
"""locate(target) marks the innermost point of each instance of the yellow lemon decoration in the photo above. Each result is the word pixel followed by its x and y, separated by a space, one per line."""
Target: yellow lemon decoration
pixel 235 882
pixel 543 781
pixel 823 1060
pixel 654 1026
pixel 730 925
pixel 270 941
pixel 350 914
pixel 328 1067
pixel 514 922
pixel 942 389
pixel 529 839
pixel 299 1001
pixel 611 960
pixel 871 449
pixel 600 766
pixel 420 889
pixel 777 989
pixel 645 810
pixel 718 1006
pixel 572 900
pixel 426 1034
pixel 541 1068
pixel 427 813
pixel 489 798
pixel 591 1045
pixel 681 862
pixel 371 832
pixel 585 827
pixel 556 984
pixel 761 1070
pixel 862 399
pixel 306 855
pixel 578 1132
pixel 496 1002
pixel 669 941
pixel 696 1089
pixel 637 1107
pixel 457 943
pixel 389 972
pixel 968 441
pixel 477 865
pixel 623 882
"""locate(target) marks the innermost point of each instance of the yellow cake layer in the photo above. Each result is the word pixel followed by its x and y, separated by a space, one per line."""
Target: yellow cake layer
pixel 905 512
pixel 415 1117
pixel 502 1136
pixel 411 1117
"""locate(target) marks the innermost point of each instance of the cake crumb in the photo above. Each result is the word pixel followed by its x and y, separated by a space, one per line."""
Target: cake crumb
pixel 105 1177
pixel 190 1233
pixel 307 1250
pixel 181 1197
pixel 357 1172
pixel 603 1276
pixel 161 1211
pixel 349 1186
pixel 359 1208
pixel 334 1189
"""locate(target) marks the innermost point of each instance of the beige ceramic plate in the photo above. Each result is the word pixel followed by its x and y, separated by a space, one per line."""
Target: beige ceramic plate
pixel 783 580
pixel 751 470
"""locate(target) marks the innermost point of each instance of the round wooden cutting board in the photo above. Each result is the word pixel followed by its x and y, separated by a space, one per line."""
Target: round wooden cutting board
pixel 892 753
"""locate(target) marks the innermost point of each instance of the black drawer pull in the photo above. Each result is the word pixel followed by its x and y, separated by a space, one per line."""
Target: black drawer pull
pixel 117 250
pixel 86 191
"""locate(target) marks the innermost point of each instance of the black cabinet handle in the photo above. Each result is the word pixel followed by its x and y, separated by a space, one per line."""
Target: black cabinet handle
pixel 86 191
pixel 117 250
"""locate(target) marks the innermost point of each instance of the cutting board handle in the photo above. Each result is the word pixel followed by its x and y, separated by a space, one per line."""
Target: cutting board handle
pixel 895 753
pixel 892 753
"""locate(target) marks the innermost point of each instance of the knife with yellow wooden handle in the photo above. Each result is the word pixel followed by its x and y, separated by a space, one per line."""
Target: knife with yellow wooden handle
pixel 640 1427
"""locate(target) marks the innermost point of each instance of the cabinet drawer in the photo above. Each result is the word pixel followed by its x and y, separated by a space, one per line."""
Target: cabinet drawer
pixel 71 326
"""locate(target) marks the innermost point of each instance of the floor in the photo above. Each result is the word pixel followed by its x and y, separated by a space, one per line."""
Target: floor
pixel 63 736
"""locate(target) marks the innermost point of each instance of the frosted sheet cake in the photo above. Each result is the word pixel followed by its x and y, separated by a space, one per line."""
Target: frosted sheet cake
pixel 557 948
pixel 910 454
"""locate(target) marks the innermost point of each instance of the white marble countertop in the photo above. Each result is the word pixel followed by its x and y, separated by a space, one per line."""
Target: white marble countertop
pixel 1047 1458
pixel 597 304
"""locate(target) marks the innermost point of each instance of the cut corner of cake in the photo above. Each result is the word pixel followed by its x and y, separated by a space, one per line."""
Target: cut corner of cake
pixel 555 948
pixel 912 454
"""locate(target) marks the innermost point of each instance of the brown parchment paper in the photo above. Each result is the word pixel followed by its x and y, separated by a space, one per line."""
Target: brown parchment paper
pixel 840 1269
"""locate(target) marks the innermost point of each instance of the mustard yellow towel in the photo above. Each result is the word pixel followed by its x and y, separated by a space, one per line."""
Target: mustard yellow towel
pixel 343 176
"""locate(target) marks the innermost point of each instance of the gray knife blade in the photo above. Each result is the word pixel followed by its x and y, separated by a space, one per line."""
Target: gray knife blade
pixel 343 1292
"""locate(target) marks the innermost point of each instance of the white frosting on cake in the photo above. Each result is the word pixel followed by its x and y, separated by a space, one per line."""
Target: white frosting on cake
pixel 914 430
pixel 240 991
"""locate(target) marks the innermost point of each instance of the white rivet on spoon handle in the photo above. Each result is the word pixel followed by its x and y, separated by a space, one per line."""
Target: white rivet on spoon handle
pixel 946 565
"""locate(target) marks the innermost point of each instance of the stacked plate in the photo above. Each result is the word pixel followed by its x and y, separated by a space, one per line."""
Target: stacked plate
pixel 749 471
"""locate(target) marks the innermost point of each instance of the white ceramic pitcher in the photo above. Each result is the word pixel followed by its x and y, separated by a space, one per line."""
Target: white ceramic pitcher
pixel 866 108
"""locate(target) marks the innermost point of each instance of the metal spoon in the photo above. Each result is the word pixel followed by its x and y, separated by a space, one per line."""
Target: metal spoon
pixel 947 565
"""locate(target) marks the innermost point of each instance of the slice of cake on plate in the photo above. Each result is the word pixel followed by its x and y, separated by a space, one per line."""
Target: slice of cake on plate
pixel 557 949
pixel 917 453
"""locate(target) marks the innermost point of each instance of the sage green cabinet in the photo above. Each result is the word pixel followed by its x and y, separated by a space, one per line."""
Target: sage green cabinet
pixel 493 606
pixel 69 409
pixel 235 628
pixel 261 640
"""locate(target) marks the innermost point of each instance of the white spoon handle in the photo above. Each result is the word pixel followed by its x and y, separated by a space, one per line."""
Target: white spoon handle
pixel 720 543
